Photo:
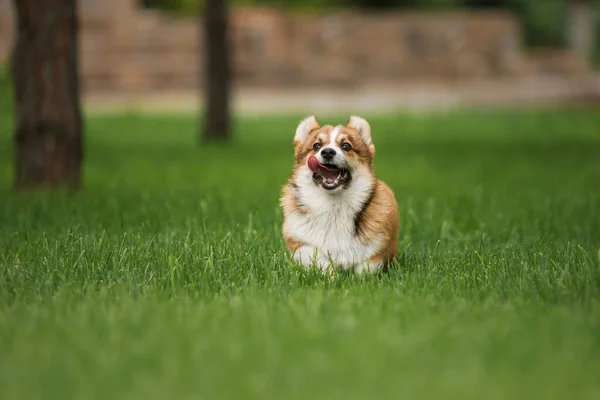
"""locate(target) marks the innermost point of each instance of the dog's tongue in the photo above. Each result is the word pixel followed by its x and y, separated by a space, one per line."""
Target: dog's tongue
pixel 316 166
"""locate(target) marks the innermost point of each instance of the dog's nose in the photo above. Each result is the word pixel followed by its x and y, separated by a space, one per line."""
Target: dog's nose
pixel 327 153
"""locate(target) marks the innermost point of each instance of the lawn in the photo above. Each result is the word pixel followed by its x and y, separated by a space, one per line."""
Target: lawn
pixel 167 276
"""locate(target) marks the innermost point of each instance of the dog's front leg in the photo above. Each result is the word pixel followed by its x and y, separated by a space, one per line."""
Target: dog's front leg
pixel 310 256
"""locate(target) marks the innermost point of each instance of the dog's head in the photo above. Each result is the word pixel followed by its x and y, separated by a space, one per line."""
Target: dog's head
pixel 334 154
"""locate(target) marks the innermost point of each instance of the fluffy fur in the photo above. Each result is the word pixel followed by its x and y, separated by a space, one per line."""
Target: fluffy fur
pixel 352 224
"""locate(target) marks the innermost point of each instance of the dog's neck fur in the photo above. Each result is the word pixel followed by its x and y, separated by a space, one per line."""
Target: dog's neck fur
pixel 343 203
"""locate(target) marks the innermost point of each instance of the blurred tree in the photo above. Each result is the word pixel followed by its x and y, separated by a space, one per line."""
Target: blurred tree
pixel 48 124
pixel 217 74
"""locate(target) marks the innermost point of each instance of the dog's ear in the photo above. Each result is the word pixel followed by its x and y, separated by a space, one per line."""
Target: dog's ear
pixel 305 127
pixel 364 130
pixel 362 127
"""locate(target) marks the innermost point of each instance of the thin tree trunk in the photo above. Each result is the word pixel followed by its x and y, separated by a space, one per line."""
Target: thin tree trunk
pixel 217 117
pixel 48 123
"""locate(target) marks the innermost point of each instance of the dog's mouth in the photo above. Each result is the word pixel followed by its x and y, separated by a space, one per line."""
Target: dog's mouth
pixel 327 175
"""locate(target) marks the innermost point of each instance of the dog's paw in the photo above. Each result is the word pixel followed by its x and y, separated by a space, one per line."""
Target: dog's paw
pixel 367 268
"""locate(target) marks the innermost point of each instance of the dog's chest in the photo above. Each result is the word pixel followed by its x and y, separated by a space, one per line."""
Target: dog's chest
pixel 331 227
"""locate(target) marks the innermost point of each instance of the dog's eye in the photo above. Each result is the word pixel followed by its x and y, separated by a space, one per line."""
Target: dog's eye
pixel 346 147
pixel 316 146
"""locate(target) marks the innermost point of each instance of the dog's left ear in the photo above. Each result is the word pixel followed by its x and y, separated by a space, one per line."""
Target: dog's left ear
pixel 363 128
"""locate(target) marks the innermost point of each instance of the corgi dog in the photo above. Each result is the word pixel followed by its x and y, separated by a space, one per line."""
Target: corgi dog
pixel 337 214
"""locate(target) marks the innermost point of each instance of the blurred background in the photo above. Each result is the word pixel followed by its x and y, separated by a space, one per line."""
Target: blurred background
pixel 397 53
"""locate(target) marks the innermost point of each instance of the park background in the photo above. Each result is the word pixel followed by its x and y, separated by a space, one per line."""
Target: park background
pixel 397 54
pixel 159 271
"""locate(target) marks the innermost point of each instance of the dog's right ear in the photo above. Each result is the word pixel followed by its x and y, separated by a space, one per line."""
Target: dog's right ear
pixel 306 126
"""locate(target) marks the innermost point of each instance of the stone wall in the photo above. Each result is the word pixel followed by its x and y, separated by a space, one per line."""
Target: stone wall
pixel 125 48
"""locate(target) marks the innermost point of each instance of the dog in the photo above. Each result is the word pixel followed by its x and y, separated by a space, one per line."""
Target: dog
pixel 337 214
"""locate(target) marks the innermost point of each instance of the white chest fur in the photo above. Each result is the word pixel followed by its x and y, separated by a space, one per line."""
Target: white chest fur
pixel 327 224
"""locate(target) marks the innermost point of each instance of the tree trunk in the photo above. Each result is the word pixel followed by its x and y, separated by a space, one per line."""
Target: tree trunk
pixel 217 117
pixel 48 122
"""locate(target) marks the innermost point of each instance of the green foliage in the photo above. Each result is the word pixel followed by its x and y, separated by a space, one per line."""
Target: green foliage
pixel 167 277
pixel 184 7
pixel 6 94
pixel 543 21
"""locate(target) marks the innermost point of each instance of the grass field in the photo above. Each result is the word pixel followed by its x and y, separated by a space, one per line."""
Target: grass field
pixel 167 276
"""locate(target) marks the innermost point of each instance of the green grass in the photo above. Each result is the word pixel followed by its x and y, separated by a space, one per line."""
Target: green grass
pixel 167 276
